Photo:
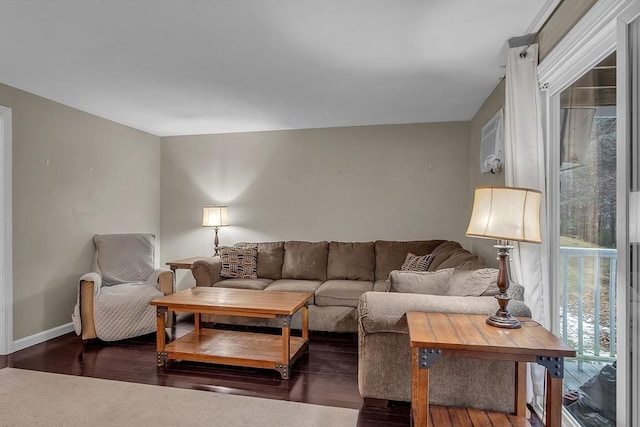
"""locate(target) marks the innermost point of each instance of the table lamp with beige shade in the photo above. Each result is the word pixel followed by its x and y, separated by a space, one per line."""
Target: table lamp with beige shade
pixel 505 214
pixel 215 216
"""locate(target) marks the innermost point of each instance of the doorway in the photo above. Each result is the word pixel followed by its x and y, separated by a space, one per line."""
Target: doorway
pixel 6 276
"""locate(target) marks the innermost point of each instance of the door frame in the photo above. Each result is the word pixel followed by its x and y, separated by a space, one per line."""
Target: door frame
pixel 6 234
pixel 628 79
pixel 602 31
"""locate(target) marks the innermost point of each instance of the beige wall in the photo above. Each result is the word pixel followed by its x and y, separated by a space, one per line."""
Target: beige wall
pixel 490 107
pixel 350 184
pixel 74 175
pixel 566 15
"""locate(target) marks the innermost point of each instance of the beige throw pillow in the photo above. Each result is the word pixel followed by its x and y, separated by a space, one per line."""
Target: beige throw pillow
pixel 420 282
pixel 474 283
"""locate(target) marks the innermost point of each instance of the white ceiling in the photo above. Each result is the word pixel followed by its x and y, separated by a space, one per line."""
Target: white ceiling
pixel 179 67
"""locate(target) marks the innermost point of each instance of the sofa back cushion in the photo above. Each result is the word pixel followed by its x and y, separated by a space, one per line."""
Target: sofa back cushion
pixel 270 260
pixel 391 254
pixel 451 254
pixel 125 258
pixel 305 260
pixel 351 261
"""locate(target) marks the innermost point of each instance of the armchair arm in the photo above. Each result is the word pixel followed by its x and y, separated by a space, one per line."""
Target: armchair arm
pixel 165 282
pixel 88 288
pixel 166 285
pixel 207 271
pixel 386 311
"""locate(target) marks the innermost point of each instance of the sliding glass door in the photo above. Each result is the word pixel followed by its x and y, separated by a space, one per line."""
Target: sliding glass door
pixel 587 242
pixel 591 94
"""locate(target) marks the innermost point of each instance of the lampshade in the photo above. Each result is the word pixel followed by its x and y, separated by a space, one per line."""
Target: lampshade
pixel 506 213
pixel 634 217
pixel 215 216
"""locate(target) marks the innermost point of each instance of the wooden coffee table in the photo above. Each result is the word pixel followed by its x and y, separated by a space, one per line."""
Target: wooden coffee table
pixel 436 335
pixel 240 348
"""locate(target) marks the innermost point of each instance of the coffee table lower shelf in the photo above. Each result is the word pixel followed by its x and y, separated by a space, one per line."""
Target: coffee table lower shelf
pixel 450 416
pixel 238 348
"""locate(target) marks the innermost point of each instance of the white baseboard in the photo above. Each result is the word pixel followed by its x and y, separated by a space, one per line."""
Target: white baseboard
pixel 41 337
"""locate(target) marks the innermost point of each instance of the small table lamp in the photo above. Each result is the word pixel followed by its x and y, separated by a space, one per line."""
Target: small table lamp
pixel 505 213
pixel 216 217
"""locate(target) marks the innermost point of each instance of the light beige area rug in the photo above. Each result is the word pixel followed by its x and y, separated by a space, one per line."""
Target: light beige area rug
pixel 32 398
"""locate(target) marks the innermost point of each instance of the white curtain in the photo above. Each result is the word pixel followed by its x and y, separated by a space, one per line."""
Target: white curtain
pixel 525 167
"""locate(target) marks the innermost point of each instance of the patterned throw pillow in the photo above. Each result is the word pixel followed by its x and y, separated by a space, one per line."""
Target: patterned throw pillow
pixel 416 262
pixel 239 263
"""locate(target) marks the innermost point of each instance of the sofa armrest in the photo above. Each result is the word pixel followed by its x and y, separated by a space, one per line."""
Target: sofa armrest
pixel 207 271
pixel 386 311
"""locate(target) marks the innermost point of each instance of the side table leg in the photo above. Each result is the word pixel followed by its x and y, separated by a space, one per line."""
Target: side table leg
pixel 172 314
pixel 419 390
pixel 521 389
pixel 553 416
pixel 555 373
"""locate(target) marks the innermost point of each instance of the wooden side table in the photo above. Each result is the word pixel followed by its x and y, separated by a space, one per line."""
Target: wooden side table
pixel 183 264
pixel 436 335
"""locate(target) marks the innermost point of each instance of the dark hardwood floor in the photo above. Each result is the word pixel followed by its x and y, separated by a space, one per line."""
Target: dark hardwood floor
pixel 327 375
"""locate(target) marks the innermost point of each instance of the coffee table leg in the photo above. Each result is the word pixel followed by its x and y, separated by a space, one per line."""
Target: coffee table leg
pixel 161 354
pixel 305 323
pixel 285 366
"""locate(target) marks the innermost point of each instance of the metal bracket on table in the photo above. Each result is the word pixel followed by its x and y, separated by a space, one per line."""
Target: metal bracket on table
pixel 160 311
pixel 426 356
pixel 555 365
pixel 286 319
pixel 284 370
pixel 161 358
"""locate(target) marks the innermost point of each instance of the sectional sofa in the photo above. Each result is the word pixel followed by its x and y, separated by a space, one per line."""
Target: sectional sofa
pixel 348 281
pixel 337 273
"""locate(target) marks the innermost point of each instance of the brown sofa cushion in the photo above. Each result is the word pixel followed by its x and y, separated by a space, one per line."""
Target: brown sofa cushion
pixel 345 293
pixel 451 254
pixel 255 284
pixel 305 260
pixel 391 254
pixel 270 260
pixel 292 285
pixel 351 261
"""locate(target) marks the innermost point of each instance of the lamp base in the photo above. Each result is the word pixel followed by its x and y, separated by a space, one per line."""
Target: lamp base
pixel 508 322
pixel 502 318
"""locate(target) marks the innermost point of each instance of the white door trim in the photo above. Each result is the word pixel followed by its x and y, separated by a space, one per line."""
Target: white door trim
pixel 628 79
pixel 6 234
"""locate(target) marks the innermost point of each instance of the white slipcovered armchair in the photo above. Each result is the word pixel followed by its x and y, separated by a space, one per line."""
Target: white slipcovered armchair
pixel 113 303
